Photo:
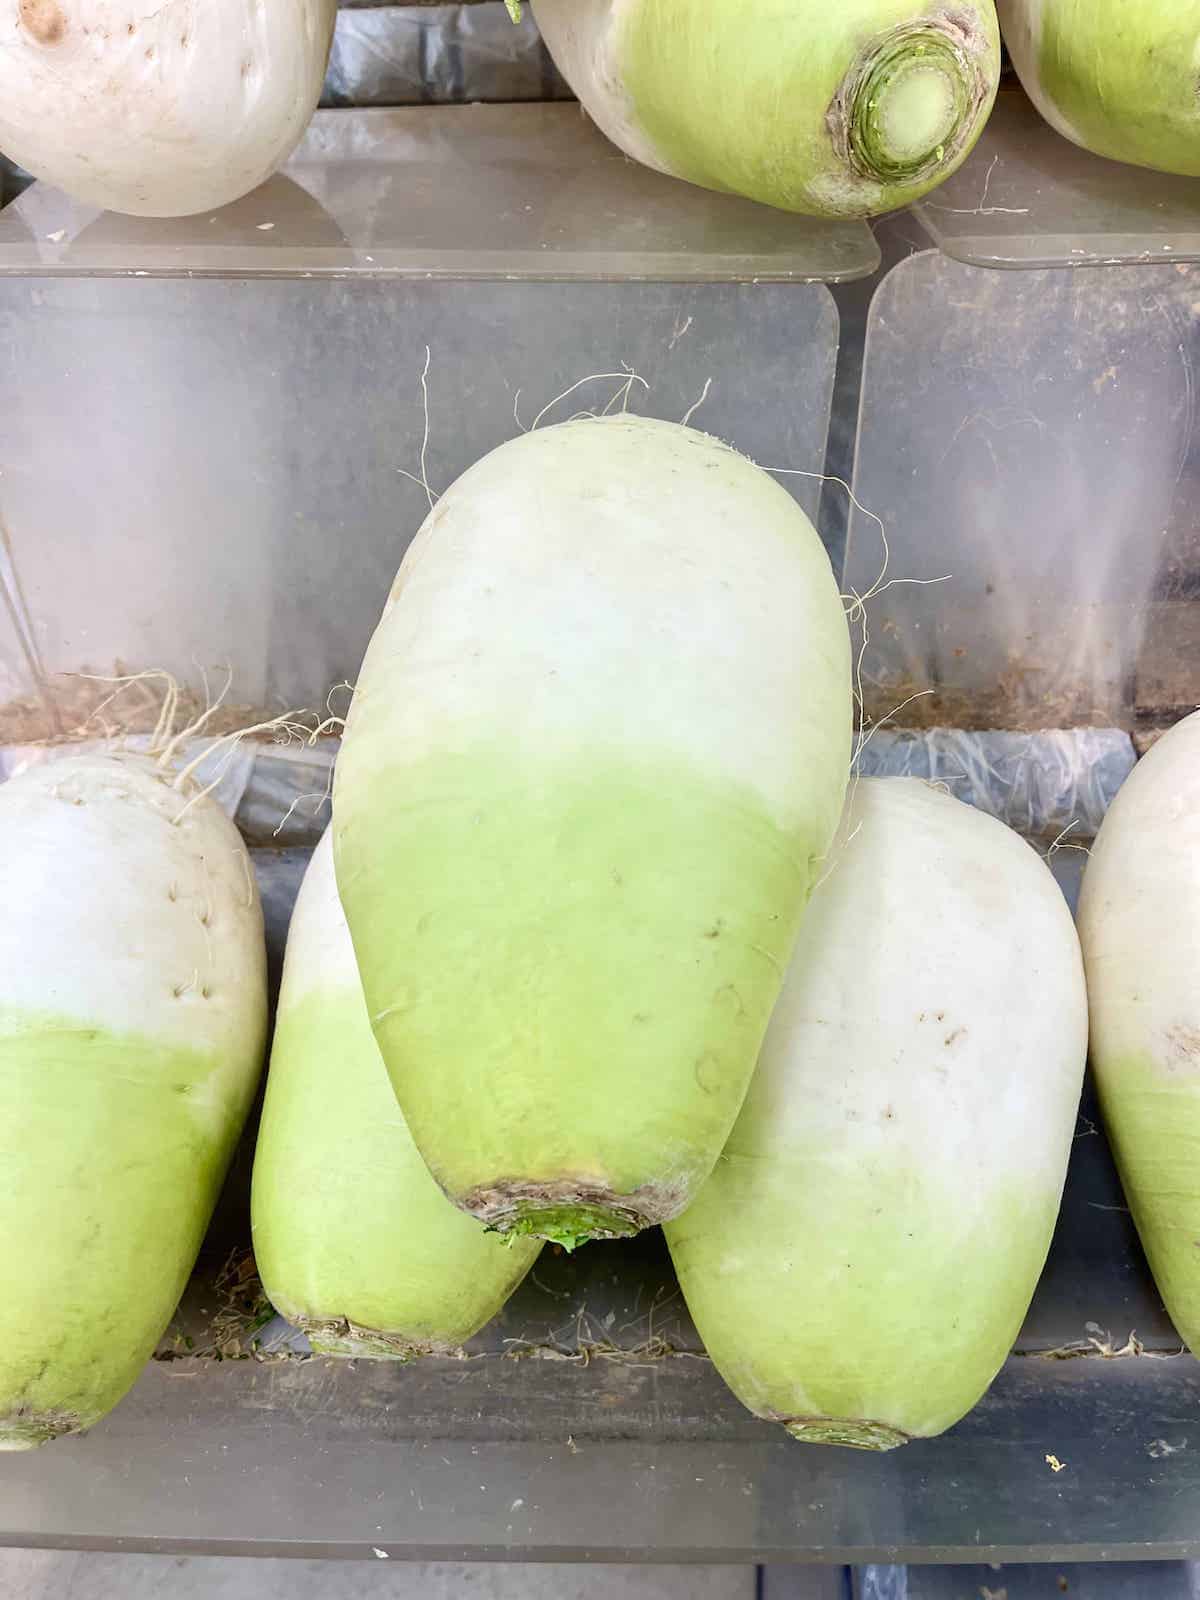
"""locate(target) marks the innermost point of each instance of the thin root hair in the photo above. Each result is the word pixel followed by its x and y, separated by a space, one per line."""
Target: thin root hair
pixel 1057 844
pixel 691 411
pixel 193 728
pixel 286 724
pixel 628 379
pixel 345 684
pixel 421 479
pixel 832 867
pixel 883 721
pixel 126 680
pixel 320 797
pixel 832 477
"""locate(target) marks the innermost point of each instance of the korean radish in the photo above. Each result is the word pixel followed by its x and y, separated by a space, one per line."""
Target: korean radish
pixel 132 1024
pixel 161 108
pixel 1139 920
pixel 862 1258
pixel 355 1242
pixel 1116 77
pixel 843 110
pixel 596 755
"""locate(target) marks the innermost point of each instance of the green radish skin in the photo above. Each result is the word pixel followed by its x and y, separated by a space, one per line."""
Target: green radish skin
pixel 1118 77
pixel 1139 920
pixel 862 1258
pixel 835 110
pixel 595 758
pixel 132 1026
pixel 355 1242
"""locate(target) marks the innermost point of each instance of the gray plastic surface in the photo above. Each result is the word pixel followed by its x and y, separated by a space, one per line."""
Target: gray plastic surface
pixel 211 474
pixel 1029 441
pixel 461 192
pixel 1027 197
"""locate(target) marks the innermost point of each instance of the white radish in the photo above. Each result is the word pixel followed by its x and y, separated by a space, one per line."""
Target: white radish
pixel 862 1258
pixel 1118 77
pixel 161 108
pixel 355 1242
pixel 595 758
pixel 844 109
pixel 1139 920
pixel 132 1023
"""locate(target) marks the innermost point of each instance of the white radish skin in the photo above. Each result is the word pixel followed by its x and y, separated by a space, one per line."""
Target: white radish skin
pixel 132 1024
pixel 862 1258
pixel 159 109
pixel 1139 920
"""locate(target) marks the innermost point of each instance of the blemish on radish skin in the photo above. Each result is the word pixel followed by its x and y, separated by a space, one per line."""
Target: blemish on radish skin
pixel 708 1072
pixel 44 20
pixel 1183 1044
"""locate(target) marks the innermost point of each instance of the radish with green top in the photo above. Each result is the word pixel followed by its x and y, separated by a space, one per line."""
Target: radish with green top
pixel 1119 77
pixel 355 1242
pixel 133 1015
pixel 160 108
pixel 838 110
pixel 1139 919
pixel 596 755
pixel 863 1256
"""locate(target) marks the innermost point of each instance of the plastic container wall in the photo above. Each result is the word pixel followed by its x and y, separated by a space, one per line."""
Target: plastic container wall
pixel 206 474
pixel 1029 443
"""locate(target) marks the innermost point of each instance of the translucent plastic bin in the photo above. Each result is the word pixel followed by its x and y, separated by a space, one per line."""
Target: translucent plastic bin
pixel 462 192
pixel 210 474
pixel 1027 197
pixel 1029 441
pixel 207 468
